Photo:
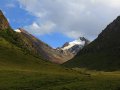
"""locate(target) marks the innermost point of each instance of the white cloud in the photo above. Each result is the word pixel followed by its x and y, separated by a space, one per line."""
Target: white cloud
pixel 110 3
pixel 73 18
pixel 44 28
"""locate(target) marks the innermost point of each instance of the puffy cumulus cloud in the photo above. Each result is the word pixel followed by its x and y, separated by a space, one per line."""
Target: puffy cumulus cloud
pixel 73 18
pixel 43 28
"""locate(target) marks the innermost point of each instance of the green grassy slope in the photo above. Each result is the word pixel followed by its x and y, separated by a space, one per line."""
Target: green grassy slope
pixel 20 41
pixel 10 54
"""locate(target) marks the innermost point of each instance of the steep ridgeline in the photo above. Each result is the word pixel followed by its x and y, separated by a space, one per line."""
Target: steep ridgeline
pixel 3 22
pixel 18 40
pixel 103 53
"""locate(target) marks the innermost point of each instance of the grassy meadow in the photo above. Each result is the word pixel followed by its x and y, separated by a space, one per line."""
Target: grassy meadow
pixel 21 71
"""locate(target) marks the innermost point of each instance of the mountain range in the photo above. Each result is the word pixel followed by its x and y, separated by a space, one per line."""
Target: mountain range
pixel 37 47
pixel 59 55
pixel 101 54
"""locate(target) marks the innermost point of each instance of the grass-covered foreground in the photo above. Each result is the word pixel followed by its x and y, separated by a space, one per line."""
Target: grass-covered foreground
pixel 37 80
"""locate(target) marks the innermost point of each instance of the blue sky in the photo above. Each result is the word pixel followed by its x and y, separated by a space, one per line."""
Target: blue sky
pixel 16 16
pixel 58 21
pixel 19 17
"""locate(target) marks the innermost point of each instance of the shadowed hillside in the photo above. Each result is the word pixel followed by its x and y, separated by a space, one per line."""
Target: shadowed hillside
pixel 103 53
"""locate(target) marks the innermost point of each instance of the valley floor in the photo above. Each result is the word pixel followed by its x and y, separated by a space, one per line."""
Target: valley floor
pixel 78 80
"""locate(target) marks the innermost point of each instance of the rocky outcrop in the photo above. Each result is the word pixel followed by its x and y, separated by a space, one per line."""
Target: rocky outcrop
pixel 3 22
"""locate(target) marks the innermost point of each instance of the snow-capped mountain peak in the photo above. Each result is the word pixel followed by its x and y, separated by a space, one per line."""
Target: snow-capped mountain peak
pixel 73 43
pixel 75 46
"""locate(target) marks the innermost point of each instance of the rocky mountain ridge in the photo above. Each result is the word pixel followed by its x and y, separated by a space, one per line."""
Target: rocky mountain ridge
pixel 3 22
